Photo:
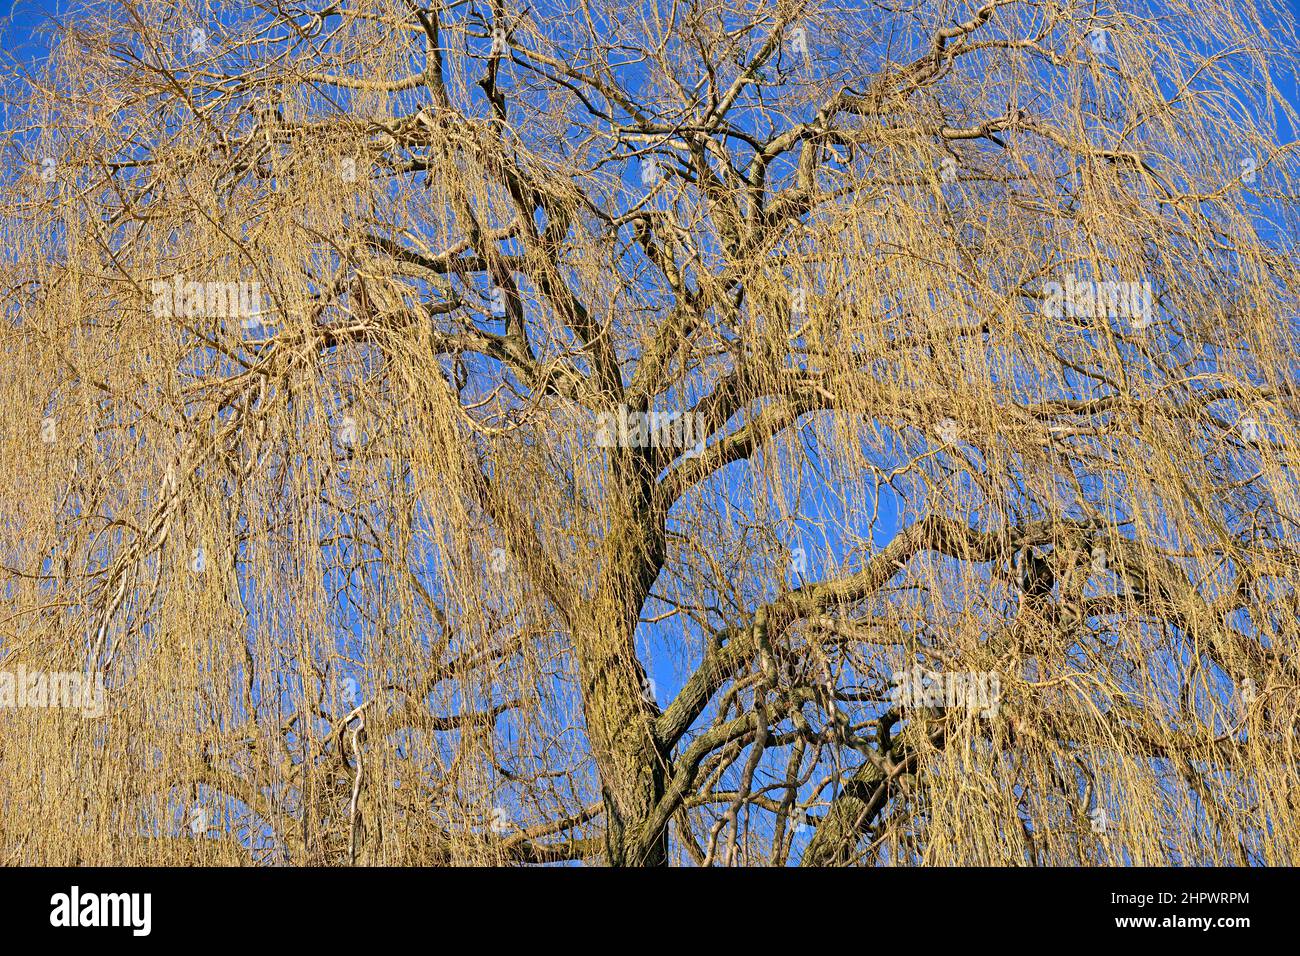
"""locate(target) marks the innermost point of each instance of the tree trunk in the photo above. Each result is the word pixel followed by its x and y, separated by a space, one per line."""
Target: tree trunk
pixel 620 714
pixel 620 724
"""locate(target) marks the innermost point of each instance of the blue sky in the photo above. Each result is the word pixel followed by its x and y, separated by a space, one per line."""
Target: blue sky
pixel 22 19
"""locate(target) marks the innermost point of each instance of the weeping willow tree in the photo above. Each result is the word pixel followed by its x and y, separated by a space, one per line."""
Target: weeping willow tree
pixel 676 433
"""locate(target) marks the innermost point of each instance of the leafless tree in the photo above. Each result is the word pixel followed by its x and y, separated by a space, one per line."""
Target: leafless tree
pixel 676 432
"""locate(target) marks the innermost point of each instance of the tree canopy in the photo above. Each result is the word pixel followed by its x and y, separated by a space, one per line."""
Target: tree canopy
pixel 664 433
